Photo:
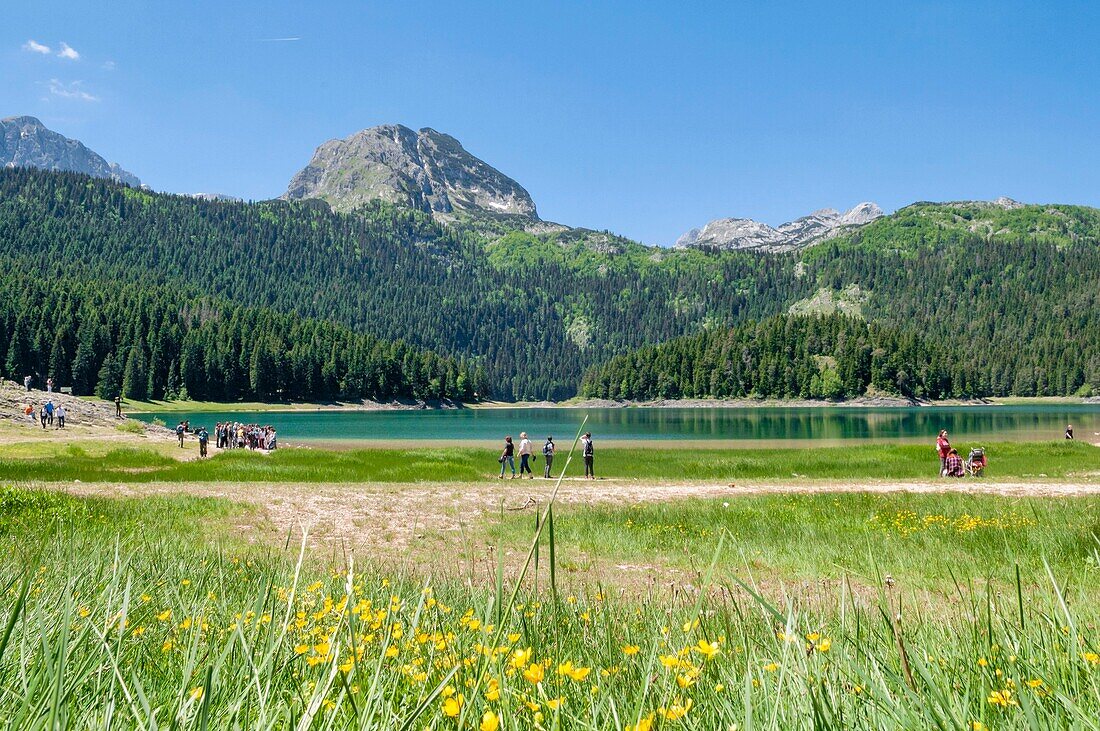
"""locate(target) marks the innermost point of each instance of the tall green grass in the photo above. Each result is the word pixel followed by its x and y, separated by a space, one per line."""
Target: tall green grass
pixel 934 540
pixel 1041 460
pixel 135 621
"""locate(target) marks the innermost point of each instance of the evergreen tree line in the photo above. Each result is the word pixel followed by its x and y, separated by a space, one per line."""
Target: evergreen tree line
pixel 812 357
pixel 393 273
pixel 161 343
pixel 1015 313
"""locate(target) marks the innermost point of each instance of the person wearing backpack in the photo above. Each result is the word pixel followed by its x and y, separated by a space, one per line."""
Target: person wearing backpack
pixel 180 429
pixel 587 451
pixel 204 437
pixel 548 456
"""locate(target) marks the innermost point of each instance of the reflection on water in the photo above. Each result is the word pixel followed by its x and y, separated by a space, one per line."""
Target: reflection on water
pixel 732 424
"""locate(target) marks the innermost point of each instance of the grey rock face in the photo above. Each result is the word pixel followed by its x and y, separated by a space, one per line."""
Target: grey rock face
pixel 744 233
pixel 26 142
pixel 427 170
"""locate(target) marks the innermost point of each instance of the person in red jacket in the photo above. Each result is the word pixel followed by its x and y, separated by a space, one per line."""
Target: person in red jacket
pixel 943 448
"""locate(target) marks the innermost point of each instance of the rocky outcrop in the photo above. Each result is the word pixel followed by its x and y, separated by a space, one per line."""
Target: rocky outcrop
pixel 26 142
pixel 745 233
pixel 427 170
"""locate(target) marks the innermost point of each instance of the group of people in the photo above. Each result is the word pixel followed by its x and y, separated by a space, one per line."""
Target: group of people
pixel 48 414
pixel 235 435
pixel 230 435
pixel 952 464
pixel 527 455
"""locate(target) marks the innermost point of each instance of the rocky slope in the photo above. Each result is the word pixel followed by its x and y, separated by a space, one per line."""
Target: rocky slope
pixel 745 233
pixel 427 170
pixel 26 142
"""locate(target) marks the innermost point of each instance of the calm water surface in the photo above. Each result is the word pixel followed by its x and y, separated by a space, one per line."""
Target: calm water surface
pixel 794 425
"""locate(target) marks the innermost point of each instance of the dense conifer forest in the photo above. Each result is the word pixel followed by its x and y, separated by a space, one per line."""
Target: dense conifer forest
pixel 157 342
pixel 111 287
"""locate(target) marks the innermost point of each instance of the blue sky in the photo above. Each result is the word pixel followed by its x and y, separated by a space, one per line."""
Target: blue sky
pixel 643 118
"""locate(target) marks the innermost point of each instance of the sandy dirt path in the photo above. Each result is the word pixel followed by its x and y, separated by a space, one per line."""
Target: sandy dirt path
pixel 394 516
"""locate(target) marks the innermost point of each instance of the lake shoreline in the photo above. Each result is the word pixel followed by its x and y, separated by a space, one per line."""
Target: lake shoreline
pixel 447 405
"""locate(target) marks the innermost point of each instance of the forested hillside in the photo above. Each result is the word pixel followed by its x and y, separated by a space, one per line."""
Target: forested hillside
pixel 160 342
pixel 967 299
pixel 393 273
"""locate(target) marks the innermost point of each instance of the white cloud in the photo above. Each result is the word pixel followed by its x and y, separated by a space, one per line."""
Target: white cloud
pixel 68 52
pixel 109 65
pixel 35 47
pixel 287 39
pixel 71 90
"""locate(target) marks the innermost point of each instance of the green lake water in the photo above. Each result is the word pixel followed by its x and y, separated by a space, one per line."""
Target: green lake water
pixel 793 425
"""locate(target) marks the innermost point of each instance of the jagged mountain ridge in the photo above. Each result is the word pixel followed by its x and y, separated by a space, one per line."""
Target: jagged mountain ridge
pixel 427 170
pixel 745 233
pixel 26 142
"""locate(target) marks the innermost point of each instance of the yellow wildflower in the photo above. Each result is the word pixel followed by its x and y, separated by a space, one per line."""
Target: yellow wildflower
pixel 630 650
pixel 489 722
pixel 533 674
pixel 453 706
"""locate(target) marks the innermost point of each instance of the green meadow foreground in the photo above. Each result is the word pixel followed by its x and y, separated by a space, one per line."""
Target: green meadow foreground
pixel 694 589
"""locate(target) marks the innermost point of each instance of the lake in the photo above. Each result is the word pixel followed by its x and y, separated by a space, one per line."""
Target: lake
pixel 793 425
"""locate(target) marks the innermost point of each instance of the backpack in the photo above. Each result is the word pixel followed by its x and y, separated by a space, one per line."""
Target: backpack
pixel 547 449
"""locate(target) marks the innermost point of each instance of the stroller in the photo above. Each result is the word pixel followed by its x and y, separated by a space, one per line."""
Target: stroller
pixel 976 462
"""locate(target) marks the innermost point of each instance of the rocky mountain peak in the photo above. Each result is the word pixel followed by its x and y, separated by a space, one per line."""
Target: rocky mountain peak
pixel 425 169
pixel 745 233
pixel 26 142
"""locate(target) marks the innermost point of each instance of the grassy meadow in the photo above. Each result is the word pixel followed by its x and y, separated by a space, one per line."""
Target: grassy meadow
pixel 1010 460
pixel 787 611
pixel 118 612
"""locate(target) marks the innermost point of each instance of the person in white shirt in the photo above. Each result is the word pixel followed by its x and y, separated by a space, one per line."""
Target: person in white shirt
pixel 525 456
pixel 59 412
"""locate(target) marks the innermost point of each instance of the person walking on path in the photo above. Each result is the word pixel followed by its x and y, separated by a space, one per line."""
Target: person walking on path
pixel 60 412
pixel 27 382
pixel 42 416
pixel 204 437
pixel 587 451
pixel 49 411
pixel 180 429
pixel 1069 431
pixel 508 457
pixel 525 455
pixel 548 456
pixel 943 448
pixel 118 406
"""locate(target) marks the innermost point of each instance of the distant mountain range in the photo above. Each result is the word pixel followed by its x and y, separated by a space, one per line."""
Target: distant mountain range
pixel 745 233
pixel 26 142
pixel 432 172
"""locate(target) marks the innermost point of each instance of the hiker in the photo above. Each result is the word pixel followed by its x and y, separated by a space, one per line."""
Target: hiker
pixel 42 416
pixel 203 438
pixel 508 457
pixel 60 412
pixel 953 465
pixel 27 382
pixel 49 411
pixel 525 456
pixel 29 412
pixel 943 448
pixel 180 431
pixel 49 385
pixel 1069 431
pixel 548 456
pixel 118 406
pixel 587 450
